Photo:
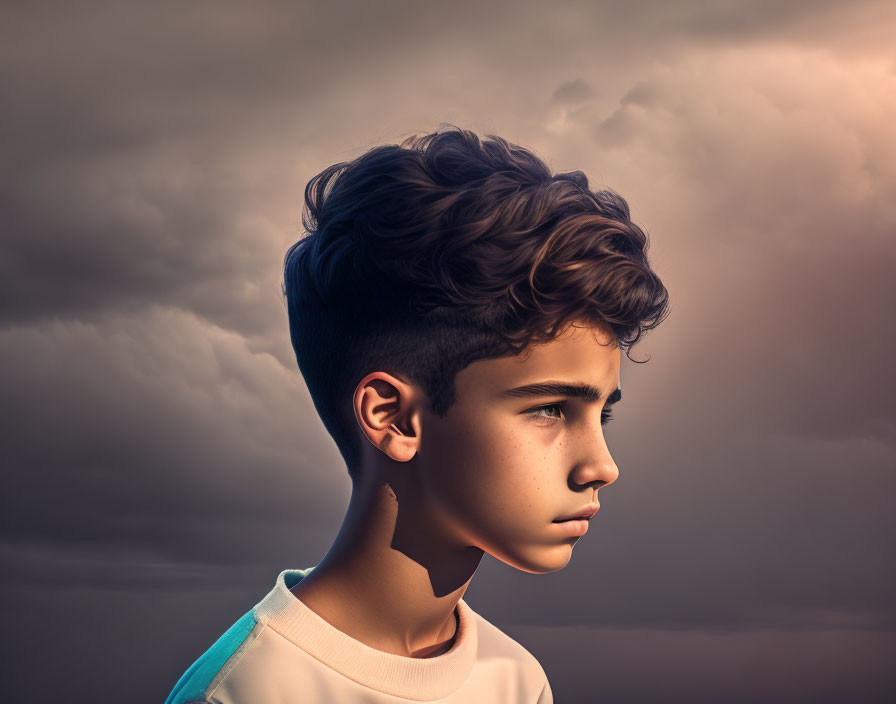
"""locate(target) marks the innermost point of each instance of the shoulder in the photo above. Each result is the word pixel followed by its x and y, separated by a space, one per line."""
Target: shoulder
pixel 495 644
pixel 216 662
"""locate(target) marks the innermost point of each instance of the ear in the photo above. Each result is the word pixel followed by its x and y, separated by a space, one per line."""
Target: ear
pixel 387 411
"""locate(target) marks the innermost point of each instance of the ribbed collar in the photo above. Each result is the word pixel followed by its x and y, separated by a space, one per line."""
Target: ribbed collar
pixel 421 679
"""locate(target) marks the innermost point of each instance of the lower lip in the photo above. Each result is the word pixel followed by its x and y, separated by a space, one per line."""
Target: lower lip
pixel 575 527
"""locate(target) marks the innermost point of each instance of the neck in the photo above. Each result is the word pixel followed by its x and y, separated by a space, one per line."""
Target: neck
pixel 392 578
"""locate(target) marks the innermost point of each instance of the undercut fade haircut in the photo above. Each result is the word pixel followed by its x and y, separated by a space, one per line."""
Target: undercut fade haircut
pixel 423 257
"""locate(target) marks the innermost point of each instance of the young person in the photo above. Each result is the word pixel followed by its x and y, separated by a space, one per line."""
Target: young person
pixel 458 314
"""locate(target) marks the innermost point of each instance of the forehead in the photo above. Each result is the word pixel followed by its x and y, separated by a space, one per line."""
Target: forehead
pixel 581 354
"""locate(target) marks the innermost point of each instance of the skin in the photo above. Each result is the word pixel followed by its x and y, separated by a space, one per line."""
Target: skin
pixel 435 494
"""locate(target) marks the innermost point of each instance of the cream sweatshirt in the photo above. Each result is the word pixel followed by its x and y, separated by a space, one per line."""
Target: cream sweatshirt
pixel 282 652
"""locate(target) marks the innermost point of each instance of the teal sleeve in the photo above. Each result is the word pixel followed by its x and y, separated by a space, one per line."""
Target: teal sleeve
pixel 194 682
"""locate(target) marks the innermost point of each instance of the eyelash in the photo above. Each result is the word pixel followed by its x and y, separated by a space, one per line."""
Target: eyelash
pixel 605 417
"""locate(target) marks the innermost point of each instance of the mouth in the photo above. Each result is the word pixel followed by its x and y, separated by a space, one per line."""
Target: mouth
pixel 572 526
pixel 584 515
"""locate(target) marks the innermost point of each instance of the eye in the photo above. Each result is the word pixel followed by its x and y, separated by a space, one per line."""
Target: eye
pixel 540 413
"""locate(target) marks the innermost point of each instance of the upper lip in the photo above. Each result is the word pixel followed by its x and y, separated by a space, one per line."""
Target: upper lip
pixel 586 513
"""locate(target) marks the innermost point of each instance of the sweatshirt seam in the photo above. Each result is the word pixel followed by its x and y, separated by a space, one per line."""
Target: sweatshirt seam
pixel 231 663
pixel 322 662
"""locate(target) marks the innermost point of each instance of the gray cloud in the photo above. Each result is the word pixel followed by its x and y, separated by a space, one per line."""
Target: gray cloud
pixel 172 435
pixel 573 92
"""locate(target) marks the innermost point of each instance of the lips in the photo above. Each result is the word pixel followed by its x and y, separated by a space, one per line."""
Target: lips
pixel 585 514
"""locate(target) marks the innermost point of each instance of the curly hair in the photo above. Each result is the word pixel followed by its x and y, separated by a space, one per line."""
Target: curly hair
pixel 423 257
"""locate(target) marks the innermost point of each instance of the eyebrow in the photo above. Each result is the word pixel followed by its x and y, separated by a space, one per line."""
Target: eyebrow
pixel 560 388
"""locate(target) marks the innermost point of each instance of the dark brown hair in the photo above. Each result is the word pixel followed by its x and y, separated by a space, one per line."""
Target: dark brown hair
pixel 423 257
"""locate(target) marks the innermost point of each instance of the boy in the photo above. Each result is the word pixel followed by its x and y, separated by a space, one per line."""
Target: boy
pixel 457 313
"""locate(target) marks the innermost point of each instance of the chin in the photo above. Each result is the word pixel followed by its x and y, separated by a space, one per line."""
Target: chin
pixel 538 560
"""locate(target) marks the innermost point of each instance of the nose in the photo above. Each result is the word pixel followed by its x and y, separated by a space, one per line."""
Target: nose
pixel 596 468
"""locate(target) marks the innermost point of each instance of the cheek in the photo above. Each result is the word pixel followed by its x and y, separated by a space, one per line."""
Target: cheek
pixel 469 459
pixel 490 478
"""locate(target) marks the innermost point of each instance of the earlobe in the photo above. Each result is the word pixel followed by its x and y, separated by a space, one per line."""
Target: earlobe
pixel 399 450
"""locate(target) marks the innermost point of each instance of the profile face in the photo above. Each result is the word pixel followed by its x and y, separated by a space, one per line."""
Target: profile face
pixel 501 467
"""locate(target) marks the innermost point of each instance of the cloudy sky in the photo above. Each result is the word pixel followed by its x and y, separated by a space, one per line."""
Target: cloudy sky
pixel 162 461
